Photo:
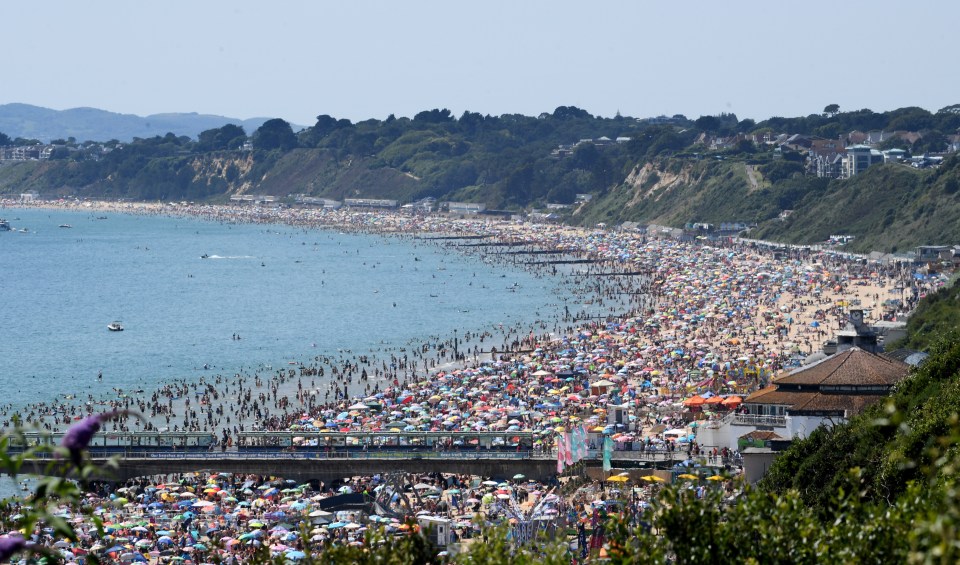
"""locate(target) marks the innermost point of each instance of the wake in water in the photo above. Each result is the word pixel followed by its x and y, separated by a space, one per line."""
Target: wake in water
pixel 227 257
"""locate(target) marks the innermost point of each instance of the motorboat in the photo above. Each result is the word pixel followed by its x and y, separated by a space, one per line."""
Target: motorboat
pixel 115 326
pixel 4 225
pixel 65 226
pixel 204 256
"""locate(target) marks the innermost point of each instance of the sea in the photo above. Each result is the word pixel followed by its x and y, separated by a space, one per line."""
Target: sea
pixel 183 288
pixel 288 293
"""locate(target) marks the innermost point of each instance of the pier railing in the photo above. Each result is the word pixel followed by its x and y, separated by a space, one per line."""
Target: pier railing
pixel 318 455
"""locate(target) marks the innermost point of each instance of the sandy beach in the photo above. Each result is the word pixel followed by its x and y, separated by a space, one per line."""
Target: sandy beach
pixel 729 306
pixel 679 319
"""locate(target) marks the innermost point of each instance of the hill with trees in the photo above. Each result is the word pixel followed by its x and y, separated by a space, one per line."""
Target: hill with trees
pixel 666 170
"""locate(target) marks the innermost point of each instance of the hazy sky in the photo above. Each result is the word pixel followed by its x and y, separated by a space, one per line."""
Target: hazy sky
pixel 367 59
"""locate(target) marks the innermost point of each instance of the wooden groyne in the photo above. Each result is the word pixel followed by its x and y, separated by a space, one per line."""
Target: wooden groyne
pixel 453 237
pixel 499 244
pixel 614 274
pixel 565 262
pixel 534 252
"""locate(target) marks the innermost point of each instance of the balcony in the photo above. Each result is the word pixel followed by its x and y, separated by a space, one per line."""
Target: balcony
pixel 758 420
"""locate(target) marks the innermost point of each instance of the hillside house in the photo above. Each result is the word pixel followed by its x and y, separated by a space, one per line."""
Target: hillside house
pixel 858 158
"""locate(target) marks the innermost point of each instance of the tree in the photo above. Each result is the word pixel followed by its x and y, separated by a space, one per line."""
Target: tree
pixel 746 125
pixel 59 153
pixel 570 112
pixel 434 116
pixel 4 139
pixel 708 123
pixel 470 121
pixel 274 134
pixel 831 110
pixel 229 136
pixel 932 141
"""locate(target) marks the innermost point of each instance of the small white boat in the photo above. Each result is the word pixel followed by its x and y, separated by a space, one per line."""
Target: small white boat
pixel 65 226
pixel 115 326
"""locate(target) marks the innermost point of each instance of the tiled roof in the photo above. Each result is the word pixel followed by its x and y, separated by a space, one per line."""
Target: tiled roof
pixel 815 402
pixel 852 367
pixel 802 390
pixel 848 404
pixel 770 395
pixel 762 435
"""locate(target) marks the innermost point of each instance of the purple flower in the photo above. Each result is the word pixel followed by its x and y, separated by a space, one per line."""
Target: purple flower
pixel 79 435
pixel 9 546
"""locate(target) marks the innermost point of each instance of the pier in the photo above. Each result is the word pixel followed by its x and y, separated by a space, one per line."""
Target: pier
pixel 334 465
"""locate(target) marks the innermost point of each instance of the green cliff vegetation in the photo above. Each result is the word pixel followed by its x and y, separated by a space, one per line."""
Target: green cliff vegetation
pixel 667 171
pixel 936 315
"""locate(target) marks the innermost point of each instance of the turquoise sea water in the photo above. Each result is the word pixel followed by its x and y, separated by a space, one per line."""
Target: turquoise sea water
pixel 289 293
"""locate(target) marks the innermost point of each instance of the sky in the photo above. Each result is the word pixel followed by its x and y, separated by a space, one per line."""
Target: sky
pixel 359 59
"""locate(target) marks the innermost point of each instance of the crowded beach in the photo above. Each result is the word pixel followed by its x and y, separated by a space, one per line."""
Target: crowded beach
pixel 680 320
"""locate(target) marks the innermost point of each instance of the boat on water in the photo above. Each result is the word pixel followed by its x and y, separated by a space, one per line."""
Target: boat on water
pixel 115 326
pixel 65 226
pixel 4 225
pixel 204 256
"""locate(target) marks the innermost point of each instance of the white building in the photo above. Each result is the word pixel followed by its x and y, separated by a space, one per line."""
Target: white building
pixel 465 207
pixel 827 392
pixel 858 158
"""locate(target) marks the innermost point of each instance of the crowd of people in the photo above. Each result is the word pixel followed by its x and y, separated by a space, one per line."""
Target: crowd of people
pixel 673 319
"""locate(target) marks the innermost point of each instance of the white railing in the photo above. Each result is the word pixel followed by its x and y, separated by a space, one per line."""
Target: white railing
pixel 759 420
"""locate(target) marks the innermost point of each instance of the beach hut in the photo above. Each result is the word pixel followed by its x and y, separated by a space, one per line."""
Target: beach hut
pixel 601 387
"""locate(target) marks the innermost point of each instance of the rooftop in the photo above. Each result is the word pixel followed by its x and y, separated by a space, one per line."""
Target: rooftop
pixel 852 367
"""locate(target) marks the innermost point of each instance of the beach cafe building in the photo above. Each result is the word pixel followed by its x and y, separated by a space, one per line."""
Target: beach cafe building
pixel 827 392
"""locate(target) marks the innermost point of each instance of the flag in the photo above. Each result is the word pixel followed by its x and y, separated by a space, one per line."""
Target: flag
pixel 607 450
pixel 567 450
pixel 583 442
pixel 575 440
pixel 560 457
